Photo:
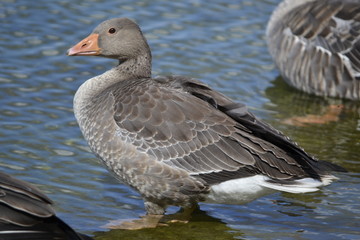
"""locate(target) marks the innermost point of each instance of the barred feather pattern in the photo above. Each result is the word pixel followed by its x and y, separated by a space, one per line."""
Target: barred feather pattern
pixel 316 46
pixel 166 136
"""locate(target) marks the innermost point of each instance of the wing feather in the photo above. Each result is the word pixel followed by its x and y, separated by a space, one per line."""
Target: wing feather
pixel 21 203
pixel 316 45
pixel 186 125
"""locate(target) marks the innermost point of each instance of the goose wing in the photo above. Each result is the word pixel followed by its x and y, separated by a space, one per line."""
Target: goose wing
pixel 22 203
pixel 186 125
pixel 26 213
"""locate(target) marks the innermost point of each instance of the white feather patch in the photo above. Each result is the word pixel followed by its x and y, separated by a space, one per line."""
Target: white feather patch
pixel 238 191
pixel 300 186
pixel 244 190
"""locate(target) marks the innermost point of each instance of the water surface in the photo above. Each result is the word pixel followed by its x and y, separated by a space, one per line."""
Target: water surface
pixel 221 43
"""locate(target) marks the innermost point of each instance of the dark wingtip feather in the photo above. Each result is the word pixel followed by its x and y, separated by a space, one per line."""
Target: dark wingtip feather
pixel 330 167
pixel 26 213
pixel 50 228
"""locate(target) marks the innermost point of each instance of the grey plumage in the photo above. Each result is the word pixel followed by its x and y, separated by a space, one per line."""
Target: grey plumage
pixel 316 46
pixel 172 138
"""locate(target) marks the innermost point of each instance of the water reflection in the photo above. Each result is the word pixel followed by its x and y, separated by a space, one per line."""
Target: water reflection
pixel 336 140
pixel 219 42
pixel 201 226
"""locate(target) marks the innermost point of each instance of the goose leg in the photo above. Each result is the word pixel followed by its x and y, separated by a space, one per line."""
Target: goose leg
pixel 182 216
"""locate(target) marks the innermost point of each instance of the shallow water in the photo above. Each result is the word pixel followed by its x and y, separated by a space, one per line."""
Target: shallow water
pixel 221 43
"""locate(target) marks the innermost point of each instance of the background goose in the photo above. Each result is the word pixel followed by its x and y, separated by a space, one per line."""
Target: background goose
pixel 26 213
pixel 174 139
pixel 316 46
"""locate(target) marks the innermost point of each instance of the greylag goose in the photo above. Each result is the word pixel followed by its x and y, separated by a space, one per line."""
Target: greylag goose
pixel 174 139
pixel 26 213
pixel 316 46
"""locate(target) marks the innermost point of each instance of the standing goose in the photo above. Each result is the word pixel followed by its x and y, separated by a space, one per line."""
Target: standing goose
pixel 316 46
pixel 174 139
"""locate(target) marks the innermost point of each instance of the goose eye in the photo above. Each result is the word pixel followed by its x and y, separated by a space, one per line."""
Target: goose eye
pixel 112 30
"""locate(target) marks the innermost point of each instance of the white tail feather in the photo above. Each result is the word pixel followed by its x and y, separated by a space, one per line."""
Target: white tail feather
pixel 243 190
pixel 300 186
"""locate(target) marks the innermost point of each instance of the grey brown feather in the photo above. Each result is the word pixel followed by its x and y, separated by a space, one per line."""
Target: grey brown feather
pixel 316 46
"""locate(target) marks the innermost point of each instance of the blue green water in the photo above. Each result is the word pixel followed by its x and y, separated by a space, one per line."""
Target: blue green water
pixel 221 43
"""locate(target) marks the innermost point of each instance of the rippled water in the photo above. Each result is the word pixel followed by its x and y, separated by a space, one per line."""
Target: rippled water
pixel 222 43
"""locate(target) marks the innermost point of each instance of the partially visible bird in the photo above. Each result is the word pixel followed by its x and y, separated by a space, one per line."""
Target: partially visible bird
pixel 316 46
pixel 26 213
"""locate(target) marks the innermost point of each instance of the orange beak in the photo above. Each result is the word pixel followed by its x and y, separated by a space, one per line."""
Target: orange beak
pixel 86 47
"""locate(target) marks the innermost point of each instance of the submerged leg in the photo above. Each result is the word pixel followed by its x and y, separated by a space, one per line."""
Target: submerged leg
pixel 154 213
pixel 155 217
pixel 182 216
pixel 147 221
